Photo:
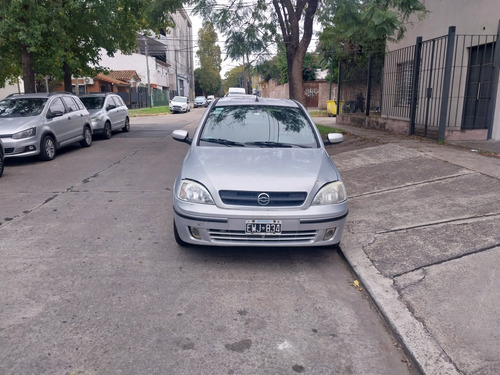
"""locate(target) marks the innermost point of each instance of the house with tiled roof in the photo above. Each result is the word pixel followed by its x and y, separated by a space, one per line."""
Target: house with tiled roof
pixel 114 81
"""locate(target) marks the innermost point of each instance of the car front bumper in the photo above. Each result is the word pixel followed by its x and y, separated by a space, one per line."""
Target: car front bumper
pixel 215 226
pixel 97 126
pixel 21 147
pixel 177 108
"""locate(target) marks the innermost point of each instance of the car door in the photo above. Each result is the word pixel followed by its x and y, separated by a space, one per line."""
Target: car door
pixel 58 120
pixel 111 111
pixel 121 112
pixel 75 119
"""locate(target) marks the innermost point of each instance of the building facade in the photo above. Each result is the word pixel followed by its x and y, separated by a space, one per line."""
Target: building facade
pixel 442 78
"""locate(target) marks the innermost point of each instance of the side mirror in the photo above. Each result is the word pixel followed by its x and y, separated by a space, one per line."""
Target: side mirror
pixel 110 107
pixel 52 114
pixel 181 136
pixel 334 138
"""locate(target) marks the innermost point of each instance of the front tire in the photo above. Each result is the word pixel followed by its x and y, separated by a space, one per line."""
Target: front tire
pixel 126 128
pixel 108 132
pixel 87 137
pixel 47 148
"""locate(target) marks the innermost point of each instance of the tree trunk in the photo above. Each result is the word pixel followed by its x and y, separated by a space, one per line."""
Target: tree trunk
pixel 295 83
pixel 28 71
pixel 68 86
pixel 289 16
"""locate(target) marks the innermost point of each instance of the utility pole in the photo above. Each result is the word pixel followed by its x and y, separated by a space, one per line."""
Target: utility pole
pixel 147 68
pixel 176 77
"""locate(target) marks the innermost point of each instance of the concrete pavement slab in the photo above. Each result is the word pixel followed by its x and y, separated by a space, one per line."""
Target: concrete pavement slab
pixel 397 253
pixel 423 237
pixel 462 312
pixel 434 202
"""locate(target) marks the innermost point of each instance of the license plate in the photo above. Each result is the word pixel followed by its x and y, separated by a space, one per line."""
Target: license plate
pixel 264 227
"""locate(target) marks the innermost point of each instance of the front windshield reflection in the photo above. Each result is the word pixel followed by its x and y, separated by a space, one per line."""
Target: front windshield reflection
pixel 24 107
pixel 258 126
pixel 93 102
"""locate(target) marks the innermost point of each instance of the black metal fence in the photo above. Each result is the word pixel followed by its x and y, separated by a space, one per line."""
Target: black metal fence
pixel 446 83
pixel 140 97
pixel 360 84
pixel 452 87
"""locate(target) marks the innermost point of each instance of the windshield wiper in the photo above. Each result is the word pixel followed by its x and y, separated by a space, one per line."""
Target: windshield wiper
pixel 222 141
pixel 274 144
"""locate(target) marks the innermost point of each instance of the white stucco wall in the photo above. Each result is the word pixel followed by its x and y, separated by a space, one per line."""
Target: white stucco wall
pixel 11 89
pixel 136 62
pixel 476 17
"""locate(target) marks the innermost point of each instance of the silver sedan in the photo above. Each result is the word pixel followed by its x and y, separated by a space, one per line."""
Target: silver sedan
pixel 257 174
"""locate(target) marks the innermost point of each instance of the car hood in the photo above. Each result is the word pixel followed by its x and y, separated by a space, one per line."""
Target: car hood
pixel 94 111
pixel 11 125
pixel 260 169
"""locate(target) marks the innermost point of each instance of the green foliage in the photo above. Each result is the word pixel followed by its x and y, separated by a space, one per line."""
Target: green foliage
pixel 207 78
pixel 352 28
pixel 251 27
pixel 48 36
pixel 356 26
pixel 235 77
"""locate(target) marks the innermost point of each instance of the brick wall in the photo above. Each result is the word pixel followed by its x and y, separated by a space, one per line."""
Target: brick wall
pixel 321 89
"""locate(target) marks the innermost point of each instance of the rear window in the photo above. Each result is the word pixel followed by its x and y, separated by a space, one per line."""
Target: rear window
pixel 258 126
pixel 22 107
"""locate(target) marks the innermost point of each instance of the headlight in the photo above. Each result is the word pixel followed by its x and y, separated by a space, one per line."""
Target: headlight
pixel 97 117
pixel 25 133
pixel 191 191
pixel 330 194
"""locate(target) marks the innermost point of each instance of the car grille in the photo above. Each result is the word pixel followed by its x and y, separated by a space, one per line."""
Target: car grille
pixel 304 236
pixel 251 198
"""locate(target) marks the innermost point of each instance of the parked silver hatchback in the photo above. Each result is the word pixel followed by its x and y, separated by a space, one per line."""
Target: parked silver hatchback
pixel 39 124
pixel 257 174
pixel 108 113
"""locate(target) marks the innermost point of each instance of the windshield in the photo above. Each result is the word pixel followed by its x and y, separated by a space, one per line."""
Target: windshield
pixel 179 99
pixel 257 126
pixel 93 102
pixel 22 107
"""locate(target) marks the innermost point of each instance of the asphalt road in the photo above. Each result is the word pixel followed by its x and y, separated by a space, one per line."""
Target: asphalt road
pixel 92 281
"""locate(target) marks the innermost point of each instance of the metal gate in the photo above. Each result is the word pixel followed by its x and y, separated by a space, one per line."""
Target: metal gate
pixel 451 86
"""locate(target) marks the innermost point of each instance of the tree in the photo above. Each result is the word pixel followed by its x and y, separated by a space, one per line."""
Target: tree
pixel 250 27
pixel 62 38
pixel 259 21
pixel 276 68
pixel 354 26
pixel 209 53
pixel 235 77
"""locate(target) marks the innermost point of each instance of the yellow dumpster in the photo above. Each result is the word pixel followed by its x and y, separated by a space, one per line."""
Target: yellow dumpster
pixel 331 107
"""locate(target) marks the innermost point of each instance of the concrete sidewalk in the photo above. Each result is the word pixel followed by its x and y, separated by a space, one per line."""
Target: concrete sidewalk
pixel 423 236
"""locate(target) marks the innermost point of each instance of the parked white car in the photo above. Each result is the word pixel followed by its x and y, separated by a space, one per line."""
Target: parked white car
pixel 179 104
pixel 108 113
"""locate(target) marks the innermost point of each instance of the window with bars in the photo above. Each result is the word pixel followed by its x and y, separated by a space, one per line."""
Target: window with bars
pixel 403 83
